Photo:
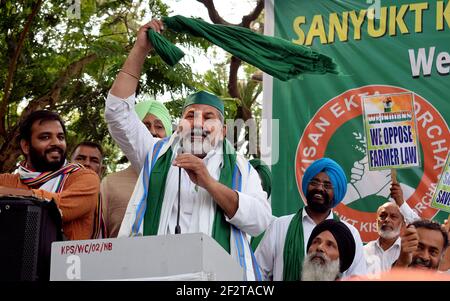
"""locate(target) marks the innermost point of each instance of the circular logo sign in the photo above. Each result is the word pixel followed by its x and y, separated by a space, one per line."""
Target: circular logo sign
pixel 336 131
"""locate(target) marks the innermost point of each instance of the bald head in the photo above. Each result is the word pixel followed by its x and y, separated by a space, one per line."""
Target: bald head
pixel 389 220
pixel 390 206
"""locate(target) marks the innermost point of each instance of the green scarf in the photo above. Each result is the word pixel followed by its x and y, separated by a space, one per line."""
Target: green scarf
pixel 221 228
pixel 275 56
pixel 294 248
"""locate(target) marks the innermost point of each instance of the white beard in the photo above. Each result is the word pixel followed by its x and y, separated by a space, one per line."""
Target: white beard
pixel 199 147
pixel 317 271
pixel 389 234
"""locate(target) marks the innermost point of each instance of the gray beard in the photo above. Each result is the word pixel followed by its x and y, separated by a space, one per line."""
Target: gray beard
pixel 316 271
pixel 390 234
pixel 199 148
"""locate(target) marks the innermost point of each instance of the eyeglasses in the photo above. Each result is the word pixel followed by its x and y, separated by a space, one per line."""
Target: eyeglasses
pixel 316 183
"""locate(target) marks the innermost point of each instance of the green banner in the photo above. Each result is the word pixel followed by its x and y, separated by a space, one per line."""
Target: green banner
pixel 381 47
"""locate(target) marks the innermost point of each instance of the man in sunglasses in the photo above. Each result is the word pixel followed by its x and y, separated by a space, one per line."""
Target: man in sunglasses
pixel 283 248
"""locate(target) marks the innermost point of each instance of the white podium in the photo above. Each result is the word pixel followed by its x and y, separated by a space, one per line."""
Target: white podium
pixel 184 257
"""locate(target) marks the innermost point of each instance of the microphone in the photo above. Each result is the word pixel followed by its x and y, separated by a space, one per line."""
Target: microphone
pixel 177 227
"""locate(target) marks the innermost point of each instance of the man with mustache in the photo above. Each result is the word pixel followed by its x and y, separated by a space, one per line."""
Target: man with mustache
pixel 282 249
pixel 90 155
pixel 47 175
pixel 423 244
pixel 380 254
pixel 331 249
pixel 117 188
pixel 221 194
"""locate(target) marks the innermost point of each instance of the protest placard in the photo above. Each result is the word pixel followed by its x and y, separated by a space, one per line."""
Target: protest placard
pixel 390 127
pixel 441 197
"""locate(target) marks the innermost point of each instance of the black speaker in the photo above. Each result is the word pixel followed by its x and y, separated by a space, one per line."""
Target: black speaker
pixel 28 227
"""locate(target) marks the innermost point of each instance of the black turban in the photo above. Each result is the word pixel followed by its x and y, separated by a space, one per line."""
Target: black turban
pixel 343 237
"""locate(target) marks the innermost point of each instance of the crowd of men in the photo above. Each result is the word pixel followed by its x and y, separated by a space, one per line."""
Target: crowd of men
pixel 224 195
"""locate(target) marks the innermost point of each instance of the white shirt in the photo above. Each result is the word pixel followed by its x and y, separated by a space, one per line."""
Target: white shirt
pixel 379 260
pixel 189 194
pixel 254 212
pixel 269 253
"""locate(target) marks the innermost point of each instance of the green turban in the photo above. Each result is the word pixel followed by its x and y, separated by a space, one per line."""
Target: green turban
pixel 156 108
pixel 204 98
pixel 264 173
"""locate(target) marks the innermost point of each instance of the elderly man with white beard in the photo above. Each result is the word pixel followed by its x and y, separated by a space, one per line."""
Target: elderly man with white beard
pixel 381 253
pixel 220 193
pixel 331 250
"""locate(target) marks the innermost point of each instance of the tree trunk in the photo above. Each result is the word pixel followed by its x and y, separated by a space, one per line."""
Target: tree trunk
pixel 12 69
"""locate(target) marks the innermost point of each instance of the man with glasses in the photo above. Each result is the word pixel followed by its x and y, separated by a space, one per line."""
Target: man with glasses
pixel 283 248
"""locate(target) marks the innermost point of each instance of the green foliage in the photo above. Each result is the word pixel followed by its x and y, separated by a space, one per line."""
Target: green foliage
pixel 57 39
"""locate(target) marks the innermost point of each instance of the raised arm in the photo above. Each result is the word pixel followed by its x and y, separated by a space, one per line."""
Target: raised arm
pixel 124 125
pixel 127 80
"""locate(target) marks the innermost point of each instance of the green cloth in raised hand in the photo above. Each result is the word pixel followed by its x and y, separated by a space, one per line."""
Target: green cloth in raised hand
pixel 275 56
pixel 170 53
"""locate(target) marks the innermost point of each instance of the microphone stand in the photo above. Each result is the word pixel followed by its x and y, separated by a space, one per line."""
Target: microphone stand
pixel 177 227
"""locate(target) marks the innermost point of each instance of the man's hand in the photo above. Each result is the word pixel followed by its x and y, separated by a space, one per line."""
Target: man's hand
pixel 225 197
pixel 15 191
pixel 445 261
pixel 397 194
pixel 364 182
pixel 196 169
pixel 447 225
pixel 127 80
pixel 369 182
pixel 410 241
pixel 142 42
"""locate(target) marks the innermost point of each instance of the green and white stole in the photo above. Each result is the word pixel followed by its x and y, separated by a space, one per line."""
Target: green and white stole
pixel 144 211
pixel 294 248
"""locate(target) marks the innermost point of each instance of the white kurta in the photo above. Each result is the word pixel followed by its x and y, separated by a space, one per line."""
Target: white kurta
pixel 254 212
pixel 408 214
pixel 379 260
pixel 269 253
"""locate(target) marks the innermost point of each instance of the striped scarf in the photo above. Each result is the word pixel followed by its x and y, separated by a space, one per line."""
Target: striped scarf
pixel 99 223
pixel 52 181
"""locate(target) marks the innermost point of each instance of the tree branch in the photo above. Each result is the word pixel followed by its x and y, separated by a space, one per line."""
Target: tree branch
pixel 10 151
pixel 212 12
pixel 248 19
pixel 52 96
pixel 233 88
pixel 12 68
